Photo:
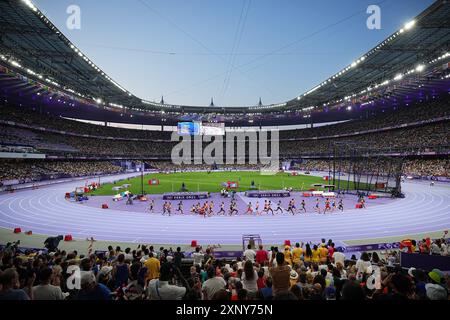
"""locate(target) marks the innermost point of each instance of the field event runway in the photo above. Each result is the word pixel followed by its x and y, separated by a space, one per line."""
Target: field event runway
pixel 45 211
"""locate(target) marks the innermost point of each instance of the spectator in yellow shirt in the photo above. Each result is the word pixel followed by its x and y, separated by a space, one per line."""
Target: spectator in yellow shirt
pixel 152 264
pixel 308 253
pixel 315 254
pixel 297 254
pixel 287 255
pixel 323 254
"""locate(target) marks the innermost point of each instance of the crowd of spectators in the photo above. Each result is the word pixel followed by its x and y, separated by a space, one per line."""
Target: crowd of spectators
pixel 24 171
pixel 34 118
pixel 422 138
pixel 426 168
pixel 430 168
pixel 305 271
pixel 168 166
pixel 431 137
pixel 80 168
pixel 19 170
pixel 377 120
pixel 374 119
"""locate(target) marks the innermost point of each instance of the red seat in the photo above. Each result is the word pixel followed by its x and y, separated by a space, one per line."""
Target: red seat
pixel 287 243
pixel 372 197
pixel 194 243
pixel 17 230
pixel 358 206
pixel 104 206
pixel 68 237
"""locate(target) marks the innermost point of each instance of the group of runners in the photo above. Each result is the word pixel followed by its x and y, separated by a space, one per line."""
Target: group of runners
pixel 207 208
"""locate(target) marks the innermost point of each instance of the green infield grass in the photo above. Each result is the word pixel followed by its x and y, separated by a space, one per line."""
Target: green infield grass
pixel 212 182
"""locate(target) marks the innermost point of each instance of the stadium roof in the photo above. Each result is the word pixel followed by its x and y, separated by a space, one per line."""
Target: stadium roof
pixel 31 45
pixel 412 47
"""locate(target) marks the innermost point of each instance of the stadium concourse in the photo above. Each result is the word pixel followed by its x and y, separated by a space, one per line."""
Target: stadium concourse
pixel 46 211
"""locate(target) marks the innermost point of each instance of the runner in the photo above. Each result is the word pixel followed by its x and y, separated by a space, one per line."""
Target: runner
pixel 233 208
pixel 279 207
pixel 341 205
pixel 327 206
pixel 222 208
pixel 266 207
pixel 169 208
pixel 257 208
pixel 210 209
pixel 317 207
pixel 151 206
pixel 303 205
pixel 363 202
pixel 180 207
pixel 249 208
pixel 291 206
pixel 269 207
pixel 333 205
pixel 204 209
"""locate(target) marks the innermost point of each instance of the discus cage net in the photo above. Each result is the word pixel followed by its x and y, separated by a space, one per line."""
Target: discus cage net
pixel 359 170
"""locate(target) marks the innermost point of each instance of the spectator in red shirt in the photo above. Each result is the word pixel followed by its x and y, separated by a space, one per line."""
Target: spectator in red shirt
pixel 261 255
pixel 261 282
pixel 331 250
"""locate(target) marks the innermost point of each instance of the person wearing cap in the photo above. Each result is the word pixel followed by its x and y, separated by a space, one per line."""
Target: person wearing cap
pixel 293 278
pixel 104 277
pixel 287 255
pixel 436 276
pixel 91 290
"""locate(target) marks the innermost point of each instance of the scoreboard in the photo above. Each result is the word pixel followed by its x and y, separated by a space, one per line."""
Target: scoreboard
pixel 188 128
pixel 198 128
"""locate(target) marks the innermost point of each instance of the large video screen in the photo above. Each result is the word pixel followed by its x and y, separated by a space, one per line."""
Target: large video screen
pixel 198 128
pixel 188 128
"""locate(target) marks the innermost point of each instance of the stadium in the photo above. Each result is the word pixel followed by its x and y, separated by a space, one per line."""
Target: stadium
pixel 339 193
